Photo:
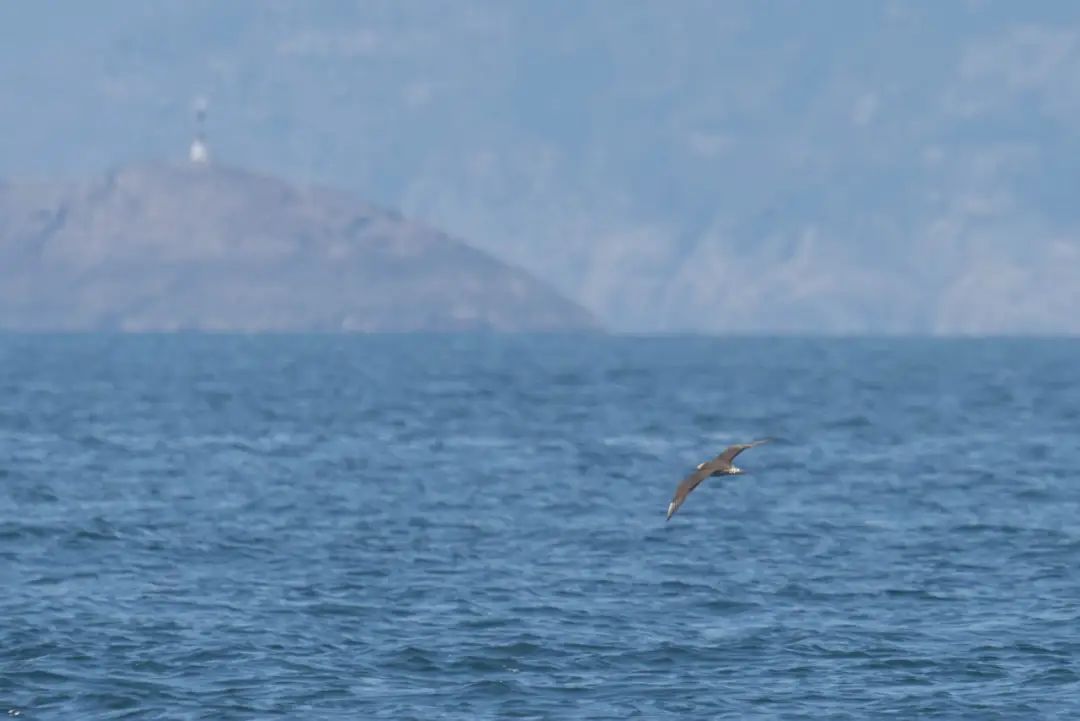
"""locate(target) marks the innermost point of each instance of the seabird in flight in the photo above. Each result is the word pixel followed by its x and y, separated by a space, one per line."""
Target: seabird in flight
pixel 720 466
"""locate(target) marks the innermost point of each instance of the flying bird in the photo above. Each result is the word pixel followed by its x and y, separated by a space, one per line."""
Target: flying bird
pixel 720 466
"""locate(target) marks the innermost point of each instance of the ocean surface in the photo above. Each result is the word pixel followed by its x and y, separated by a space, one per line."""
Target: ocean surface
pixel 471 527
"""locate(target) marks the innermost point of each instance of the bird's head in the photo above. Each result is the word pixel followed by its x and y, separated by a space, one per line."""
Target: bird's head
pixel 735 470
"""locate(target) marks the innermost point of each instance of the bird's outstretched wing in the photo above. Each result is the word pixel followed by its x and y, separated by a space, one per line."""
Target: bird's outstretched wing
pixel 731 451
pixel 690 483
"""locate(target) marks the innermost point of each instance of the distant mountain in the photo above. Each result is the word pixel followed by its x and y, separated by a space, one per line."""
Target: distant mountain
pixel 202 247
pixel 849 167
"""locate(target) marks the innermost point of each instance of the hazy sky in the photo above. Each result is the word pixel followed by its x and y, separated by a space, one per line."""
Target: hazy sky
pixel 843 166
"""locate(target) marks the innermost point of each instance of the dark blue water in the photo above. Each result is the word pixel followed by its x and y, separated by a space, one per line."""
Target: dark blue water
pixel 462 528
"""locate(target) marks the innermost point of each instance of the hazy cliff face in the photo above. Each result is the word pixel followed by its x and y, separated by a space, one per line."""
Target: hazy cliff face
pixel 204 247
pixel 719 166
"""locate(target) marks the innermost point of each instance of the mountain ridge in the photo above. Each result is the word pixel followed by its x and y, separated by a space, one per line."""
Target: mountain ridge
pixel 900 168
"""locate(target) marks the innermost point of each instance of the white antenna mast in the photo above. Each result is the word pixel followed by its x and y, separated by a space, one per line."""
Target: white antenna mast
pixel 199 152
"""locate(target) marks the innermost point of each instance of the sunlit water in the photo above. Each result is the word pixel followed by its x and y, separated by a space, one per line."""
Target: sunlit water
pixel 450 527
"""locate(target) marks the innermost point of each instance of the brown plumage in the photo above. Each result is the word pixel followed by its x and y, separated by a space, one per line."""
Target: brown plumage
pixel 720 466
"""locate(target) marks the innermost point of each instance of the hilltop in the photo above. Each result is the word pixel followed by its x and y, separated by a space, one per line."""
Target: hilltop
pixel 158 247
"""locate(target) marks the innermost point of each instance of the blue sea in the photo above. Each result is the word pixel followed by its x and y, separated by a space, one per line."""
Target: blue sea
pixel 472 527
